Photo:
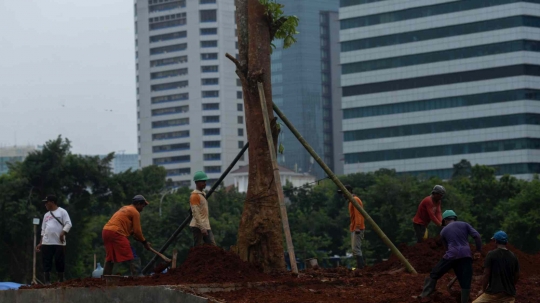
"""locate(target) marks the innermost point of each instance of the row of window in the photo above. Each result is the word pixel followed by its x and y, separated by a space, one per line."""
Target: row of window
pixel 166 18
pixel 178 172
pixel 171 23
pixel 209 56
pixel 423 11
pixel 501 169
pixel 170 110
pixel 169 73
pixel 444 79
pixel 170 123
pixel 441 127
pixel 170 98
pixel 210 93
pixel 446 55
pixel 168 86
pixel 441 32
pixel 209 43
pixel 210 81
pixel 440 103
pixel 168 49
pixel 208 15
pixel 171 135
pixel 168 61
pixel 344 3
pixel 167 37
pixel 208 31
pixel 212 157
pixel 170 147
pixel 212 169
pixel 443 150
pixel 170 160
pixel 166 6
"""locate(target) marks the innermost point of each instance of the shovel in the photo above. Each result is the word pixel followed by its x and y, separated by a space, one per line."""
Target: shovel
pixel 450 284
pixel 160 255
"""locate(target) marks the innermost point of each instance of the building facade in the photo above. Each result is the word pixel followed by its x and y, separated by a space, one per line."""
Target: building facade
pixel 13 154
pixel 241 177
pixel 122 162
pixel 189 102
pixel 427 83
pixel 305 85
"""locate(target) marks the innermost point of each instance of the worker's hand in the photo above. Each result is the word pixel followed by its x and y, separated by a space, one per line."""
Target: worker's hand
pixel 147 245
pixel 477 255
pixel 63 236
pixel 38 247
pixel 204 232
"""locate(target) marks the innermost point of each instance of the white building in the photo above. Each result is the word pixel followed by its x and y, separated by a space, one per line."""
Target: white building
pixel 427 83
pixel 13 154
pixel 189 102
pixel 241 176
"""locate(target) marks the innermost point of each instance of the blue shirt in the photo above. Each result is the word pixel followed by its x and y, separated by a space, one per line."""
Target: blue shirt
pixel 456 238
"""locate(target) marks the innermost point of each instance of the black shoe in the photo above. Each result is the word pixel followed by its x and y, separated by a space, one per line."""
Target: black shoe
pixel 360 262
pixel 108 269
pixel 47 278
pixel 465 295
pixel 429 287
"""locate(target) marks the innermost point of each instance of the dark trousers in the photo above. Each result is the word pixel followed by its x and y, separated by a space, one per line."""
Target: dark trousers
pixel 199 238
pixel 462 267
pixel 56 252
pixel 419 231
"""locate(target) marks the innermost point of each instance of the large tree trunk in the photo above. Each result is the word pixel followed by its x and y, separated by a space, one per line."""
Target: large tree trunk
pixel 259 235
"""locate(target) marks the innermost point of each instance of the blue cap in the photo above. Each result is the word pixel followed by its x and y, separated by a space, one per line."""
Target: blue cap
pixel 500 236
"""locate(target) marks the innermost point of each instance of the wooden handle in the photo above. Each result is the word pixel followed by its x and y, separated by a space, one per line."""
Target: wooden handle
pixel 160 255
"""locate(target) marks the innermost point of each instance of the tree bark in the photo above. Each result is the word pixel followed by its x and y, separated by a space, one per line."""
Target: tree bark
pixel 259 235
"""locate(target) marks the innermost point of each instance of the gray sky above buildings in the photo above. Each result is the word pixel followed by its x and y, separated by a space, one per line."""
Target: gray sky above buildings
pixel 68 68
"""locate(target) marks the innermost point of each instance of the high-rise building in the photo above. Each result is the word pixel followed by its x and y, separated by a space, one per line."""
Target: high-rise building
pixel 428 83
pixel 14 154
pixel 122 162
pixel 305 85
pixel 189 102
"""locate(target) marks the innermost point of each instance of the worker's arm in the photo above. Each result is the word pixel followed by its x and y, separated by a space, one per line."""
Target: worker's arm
pixel 432 213
pixel 195 202
pixel 137 229
pixel 67 225
pixel 477 240
pixel 38 247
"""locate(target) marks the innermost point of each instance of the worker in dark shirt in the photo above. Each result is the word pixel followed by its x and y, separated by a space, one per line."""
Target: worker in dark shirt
pixel 458 256
pixel 501 272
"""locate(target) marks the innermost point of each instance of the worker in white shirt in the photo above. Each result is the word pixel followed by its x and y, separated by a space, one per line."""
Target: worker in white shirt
pixel 56 224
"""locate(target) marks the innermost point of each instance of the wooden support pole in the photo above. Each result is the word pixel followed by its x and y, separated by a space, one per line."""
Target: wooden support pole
pixel 34 258
pixel 277 180
pixel 174 257
pixel 334 178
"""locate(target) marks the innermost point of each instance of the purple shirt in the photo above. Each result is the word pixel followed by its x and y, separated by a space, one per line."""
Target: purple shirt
pixel 456 238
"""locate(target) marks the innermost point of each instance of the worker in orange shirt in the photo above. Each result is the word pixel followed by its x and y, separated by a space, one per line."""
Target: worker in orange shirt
pixel 125 222
pixel 357 228
pixel 428 210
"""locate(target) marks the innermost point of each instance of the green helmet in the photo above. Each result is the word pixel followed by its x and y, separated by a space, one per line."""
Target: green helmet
pixel 200 176
pixel 449 213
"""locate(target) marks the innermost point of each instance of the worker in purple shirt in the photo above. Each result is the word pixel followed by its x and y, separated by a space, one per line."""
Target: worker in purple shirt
pixel 458 256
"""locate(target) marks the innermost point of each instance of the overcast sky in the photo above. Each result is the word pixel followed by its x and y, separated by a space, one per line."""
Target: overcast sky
pixel 67 68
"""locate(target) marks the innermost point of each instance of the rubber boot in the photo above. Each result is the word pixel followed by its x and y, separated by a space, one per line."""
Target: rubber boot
pixel 107 270
pixel 47 278
pixel 60 277
pixel 135 267
pixel 429 287
pixel 465 295
pixel 360 262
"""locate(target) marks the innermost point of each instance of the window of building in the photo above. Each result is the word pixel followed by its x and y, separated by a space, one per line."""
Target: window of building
pixel 207 1
pixel 344 3
pixel 240 144
pixel 240 107
pixel 210 119
pixel 162 6
pixel 209 69
pixel 167 37
pixel 172 21
pixel 210 81
pixel 277 78
pixel 168 61
pixel 209 56
pixel 170 147
pixel 211 131
pixel 212 169
pixel 179 172
pixel 170 98
pixel 239 95
pixel 208 15
pixel 168 49
pixel 210 43
pixel 171 135
pixel 240 120
pixel 170 123
pixel 210 106
pixel 212 157
pixel 211 144
pixel 169 73
pixel 239 82
pixel 168 86
pixel 171 160
pixel 240 132
pixel 208 31
pixel 170 110
pixel 210 94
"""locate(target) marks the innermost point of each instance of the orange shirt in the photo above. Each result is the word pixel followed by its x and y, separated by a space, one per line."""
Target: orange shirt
pixel 126 221
pixel 357 220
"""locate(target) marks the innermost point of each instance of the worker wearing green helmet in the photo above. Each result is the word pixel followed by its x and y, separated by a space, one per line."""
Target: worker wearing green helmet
pixel 455 237
pixel 200 223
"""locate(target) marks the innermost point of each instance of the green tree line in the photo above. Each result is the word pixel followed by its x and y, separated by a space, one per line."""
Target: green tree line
pixel 318 217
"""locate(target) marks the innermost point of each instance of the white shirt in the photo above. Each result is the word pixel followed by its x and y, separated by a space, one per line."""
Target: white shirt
pixel 51 228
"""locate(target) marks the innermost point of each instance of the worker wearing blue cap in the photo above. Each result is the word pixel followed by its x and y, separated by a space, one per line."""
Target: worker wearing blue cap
pixel 501 272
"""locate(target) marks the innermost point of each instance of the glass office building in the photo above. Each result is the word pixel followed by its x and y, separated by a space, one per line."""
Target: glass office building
pixel 428 83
